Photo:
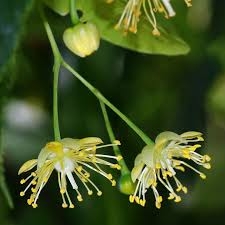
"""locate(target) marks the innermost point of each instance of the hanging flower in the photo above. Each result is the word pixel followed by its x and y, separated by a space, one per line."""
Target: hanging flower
pixel 159 163
pixel 73 159
pixel 135 8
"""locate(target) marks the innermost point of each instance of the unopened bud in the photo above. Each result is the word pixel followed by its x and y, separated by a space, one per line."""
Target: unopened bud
pixel 82 39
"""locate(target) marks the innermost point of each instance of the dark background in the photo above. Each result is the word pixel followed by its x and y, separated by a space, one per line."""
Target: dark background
pixel 157 92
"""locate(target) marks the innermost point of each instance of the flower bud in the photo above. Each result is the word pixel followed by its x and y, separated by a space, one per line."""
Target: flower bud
pixel 126 185
pixel 82 39
pixel 62 7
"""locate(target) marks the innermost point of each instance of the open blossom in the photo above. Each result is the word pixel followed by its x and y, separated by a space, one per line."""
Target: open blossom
pixel 159 163
pixel 73 159
pixel 135 8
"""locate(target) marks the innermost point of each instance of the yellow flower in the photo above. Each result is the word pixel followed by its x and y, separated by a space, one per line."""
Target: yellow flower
pixel 72 159
pixel 159 163
pixel 134 8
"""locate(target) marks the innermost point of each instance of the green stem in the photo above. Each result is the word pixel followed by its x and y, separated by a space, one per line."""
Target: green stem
pixel 56 68
pixel 122 163
pixel 138 131
pixel 73 12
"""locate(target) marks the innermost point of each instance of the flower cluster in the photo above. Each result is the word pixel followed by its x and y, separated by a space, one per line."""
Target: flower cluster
pixel 68 157
pixel 159 163
pixel 134 8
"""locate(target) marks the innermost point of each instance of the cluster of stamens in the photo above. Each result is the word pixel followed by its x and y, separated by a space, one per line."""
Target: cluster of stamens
pixel 68 157
pixel 133 10
pixel 160 162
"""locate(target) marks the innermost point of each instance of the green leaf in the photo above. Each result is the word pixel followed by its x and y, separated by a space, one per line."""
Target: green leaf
pixel 107 15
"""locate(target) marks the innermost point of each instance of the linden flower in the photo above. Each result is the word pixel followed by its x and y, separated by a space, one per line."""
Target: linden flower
pixel 133 10
pixel 159 162
pixel 71 158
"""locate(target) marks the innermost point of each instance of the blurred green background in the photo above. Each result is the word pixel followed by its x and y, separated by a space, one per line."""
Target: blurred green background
pixel 157 92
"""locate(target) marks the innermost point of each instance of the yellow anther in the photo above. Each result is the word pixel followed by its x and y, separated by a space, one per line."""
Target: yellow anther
pixel 33 182
pixel 207 165
pixel 179 188
pixel 169 173
pixel 188 3
pixel 119 157
pixel 184 189
pixel 207 158
pixel 22 181
pixel 156 32
pixel 202 175
pixel 22 193
pixel 34 205
pixel 131 198
pixel 64 205
pixel 157 205
pixel 113 183
pixel 171 196
pixel 99 193
pixel 87 175
pixel 159 199
pixel 137 200
pixel 109 176
pixel 90 192
pixel 29 201
pixel 116 142
pixel 143 202
pixel 33 190
pixel 79 198
pixel 177 199
pixel 71 206
pixel 33 174
pixel 118 166
pixel 79 168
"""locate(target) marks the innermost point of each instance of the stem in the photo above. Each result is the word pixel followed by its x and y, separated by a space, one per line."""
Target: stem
pixel 124 168
pixel 138 131
pixel 56 68
pixel 50 35
pixel 73 13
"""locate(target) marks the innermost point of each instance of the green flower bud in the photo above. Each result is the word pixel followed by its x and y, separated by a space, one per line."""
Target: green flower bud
pixel 62 7
pixel 82 39
pixel 126 185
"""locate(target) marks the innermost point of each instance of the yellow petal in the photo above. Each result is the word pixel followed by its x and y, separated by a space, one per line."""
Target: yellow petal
pixel 27 166
pixel 138 159
pixel 191 134
pixel 135 173
pixel 147 155
pixel 70 143
pixel 89 142
pixel 167 136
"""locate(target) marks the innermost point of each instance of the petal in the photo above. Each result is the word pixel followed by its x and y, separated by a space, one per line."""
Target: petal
pixel 27 166
pixel 89 142
pixel 167 136
pixel 70 143
pixel 147 155
pixel 191 134
pixel 138 159
pixel 42 157
pixel 136 171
